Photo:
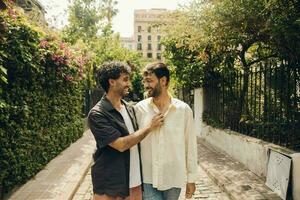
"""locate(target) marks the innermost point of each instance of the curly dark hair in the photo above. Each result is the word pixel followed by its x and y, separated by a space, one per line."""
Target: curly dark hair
pixel 111 70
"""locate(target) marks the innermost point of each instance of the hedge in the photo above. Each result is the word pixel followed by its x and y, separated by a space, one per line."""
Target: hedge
pixel 41 101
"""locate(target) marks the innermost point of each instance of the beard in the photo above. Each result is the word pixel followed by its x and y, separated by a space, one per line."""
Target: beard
pixel 154 92
pixel 124 92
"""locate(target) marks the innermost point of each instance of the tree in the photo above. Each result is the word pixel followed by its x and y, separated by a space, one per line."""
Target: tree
pixel 108 12
pixel 182 49
pixel 88 18
pixel 244 31
pixel 213 39
pixel 84 20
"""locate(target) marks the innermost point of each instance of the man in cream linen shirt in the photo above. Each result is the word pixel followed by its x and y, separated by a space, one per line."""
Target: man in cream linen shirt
pixel 169 154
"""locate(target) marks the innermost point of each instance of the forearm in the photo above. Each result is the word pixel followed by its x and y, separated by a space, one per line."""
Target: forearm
pixel 124 143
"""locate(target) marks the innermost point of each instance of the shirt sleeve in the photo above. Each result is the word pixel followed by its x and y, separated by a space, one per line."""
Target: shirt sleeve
pixel 102 129
pixel 191 147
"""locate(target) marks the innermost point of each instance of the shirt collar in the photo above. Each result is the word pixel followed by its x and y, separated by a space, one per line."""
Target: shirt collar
pixel 171 106
pixel 107 105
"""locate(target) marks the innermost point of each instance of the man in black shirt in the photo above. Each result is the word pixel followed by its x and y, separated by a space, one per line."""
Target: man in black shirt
pixel 110 172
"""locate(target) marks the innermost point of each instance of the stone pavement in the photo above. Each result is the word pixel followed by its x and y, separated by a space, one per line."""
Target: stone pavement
pixel 205 189
pixel 68 177
pixel 231 176
pixel 61 177
pixel 220 178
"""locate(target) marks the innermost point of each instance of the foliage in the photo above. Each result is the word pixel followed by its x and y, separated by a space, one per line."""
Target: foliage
pixel 215 37
pixel 108 11
pixel 84 20
pixel 100 47
pixel 221 45
pixel 87 18
pixel 207 41
pixel 109 48
pixel 42 96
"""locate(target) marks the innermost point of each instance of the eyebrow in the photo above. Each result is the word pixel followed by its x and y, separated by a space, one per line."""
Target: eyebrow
pixel 147 72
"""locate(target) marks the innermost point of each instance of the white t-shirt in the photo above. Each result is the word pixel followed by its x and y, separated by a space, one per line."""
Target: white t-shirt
pixel 134 173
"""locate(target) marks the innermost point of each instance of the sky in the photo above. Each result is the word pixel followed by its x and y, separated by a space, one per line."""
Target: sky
pixel 122 22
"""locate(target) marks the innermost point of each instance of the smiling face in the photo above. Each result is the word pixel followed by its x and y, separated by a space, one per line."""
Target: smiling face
pixel 121 85
pixel 153 85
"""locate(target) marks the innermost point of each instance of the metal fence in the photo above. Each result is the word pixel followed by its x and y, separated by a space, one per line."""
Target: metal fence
pixel 186 95
pixel 262 102
pixel 91 97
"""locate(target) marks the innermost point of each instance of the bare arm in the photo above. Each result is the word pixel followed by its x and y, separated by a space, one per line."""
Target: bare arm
pixel 123 143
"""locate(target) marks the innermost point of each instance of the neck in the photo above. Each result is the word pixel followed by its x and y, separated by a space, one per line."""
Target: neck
pixel 114 99
pixel 162 101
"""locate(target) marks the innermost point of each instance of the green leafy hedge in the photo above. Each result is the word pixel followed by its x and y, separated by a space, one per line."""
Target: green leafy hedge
pixel 41 99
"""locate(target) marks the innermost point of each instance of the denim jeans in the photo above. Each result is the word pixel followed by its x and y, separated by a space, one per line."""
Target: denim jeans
pixel 151 193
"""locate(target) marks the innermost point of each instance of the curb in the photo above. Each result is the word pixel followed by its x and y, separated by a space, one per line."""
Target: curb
pixel 63 175
pixel 80 181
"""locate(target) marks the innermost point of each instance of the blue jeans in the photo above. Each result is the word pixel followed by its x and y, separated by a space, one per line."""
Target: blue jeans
pixel 151 193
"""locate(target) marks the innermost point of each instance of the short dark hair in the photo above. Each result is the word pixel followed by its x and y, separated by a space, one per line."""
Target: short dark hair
pixel 160 70
pixel 111 70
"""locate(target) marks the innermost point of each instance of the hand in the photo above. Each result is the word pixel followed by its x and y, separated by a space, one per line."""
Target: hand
pixel 190 190
pixel 156 121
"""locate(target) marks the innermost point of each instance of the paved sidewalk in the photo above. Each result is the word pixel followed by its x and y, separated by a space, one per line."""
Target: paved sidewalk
pixel 217 173
pixel 205 189
pixel 232 177
pixel 68 176
pixel 61 177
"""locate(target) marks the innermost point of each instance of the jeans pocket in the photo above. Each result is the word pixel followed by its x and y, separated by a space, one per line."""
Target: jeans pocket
pixel 151 193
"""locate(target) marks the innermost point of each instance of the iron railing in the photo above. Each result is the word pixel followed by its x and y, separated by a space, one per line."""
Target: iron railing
pixel 262 101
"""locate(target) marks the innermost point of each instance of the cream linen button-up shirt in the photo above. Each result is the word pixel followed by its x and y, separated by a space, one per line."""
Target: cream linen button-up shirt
pixel 169 153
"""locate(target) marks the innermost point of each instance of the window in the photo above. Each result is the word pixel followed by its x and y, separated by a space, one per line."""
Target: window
pixel 158 38
pixel 158 29
pixel 149 37
pixel 139 29
pixel 139 38
pixel 149 29
pixel 158 46
pixel 149 55
pixel 139 46
pixel 158 56
pixel 149 46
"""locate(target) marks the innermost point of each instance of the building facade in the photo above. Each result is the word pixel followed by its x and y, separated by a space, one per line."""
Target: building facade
pixel 128 43
pixel 147 34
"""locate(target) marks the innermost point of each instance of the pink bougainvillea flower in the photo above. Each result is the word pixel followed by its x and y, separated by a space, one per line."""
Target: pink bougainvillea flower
pixel 12 13
pixel 62 46
pixel 68 78
pixel 43 43
pixel 58 60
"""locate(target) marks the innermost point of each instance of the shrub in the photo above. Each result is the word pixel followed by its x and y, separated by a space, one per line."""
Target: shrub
pixel 41 99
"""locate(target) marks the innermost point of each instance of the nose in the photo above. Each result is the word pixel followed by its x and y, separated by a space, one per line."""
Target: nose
pixel 128 84
pixel 145 83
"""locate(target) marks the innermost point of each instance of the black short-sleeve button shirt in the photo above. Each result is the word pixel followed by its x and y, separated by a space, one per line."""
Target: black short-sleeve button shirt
pixel 110 171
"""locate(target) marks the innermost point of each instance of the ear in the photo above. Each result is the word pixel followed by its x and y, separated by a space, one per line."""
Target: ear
pixel 111 82
pixel 163 81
